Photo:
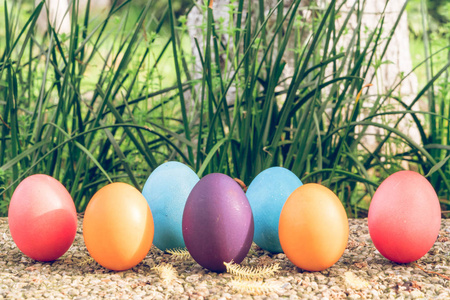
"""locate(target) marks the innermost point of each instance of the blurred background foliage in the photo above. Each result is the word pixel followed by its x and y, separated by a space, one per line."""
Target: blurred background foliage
pixel 119 96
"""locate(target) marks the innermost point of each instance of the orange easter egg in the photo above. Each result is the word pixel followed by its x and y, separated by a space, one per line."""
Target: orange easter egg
pixel 118 227
pixel 313 227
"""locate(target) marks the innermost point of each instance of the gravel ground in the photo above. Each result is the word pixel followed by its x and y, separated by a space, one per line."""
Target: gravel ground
pixel 360 273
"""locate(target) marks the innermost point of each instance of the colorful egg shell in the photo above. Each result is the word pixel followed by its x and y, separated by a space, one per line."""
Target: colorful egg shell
pixel 118 227
pixel 217 222
pixel 166 191
pixel 42 218
pixel 313 227
pixel 267 194
pixel 404 217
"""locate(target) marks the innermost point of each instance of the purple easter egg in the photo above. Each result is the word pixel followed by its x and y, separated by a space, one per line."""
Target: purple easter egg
pixel 217 222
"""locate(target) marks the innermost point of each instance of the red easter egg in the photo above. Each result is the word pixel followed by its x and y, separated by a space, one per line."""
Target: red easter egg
pixel 404 217
pixel 42 218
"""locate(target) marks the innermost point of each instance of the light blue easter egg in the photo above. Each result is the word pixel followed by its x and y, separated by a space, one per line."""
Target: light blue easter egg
pixel 267 194
pixel 166 191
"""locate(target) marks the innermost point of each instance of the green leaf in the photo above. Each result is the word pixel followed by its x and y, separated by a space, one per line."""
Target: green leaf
pixel 210 156
pixel 437 166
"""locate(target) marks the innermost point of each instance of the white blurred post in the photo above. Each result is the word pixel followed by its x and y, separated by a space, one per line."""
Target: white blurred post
pixel 58 13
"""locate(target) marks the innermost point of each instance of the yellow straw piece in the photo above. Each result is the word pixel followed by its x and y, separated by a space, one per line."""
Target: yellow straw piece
pixel 251 272
pixel 180 254
pixel 86 261
pixel 252 287
pixel 360 92
pixel 166 272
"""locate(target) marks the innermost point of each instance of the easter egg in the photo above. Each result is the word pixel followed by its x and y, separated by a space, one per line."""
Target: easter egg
pixel 217 222
pixel 118 227
pixel 267 194
pixel 313 227
pixel 42 218
pixel 404 217
pixel 166 190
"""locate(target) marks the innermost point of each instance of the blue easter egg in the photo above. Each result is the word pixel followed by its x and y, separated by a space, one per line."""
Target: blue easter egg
pixel 267 194
pixel 166 191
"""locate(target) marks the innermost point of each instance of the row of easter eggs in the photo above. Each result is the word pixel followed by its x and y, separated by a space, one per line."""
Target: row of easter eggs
pixel 216 221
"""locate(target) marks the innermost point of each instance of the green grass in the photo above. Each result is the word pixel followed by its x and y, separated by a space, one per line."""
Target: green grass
pixel 80 109
pixel 427 36
pixel 430 49
pixel 312 132
pixel 119 96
